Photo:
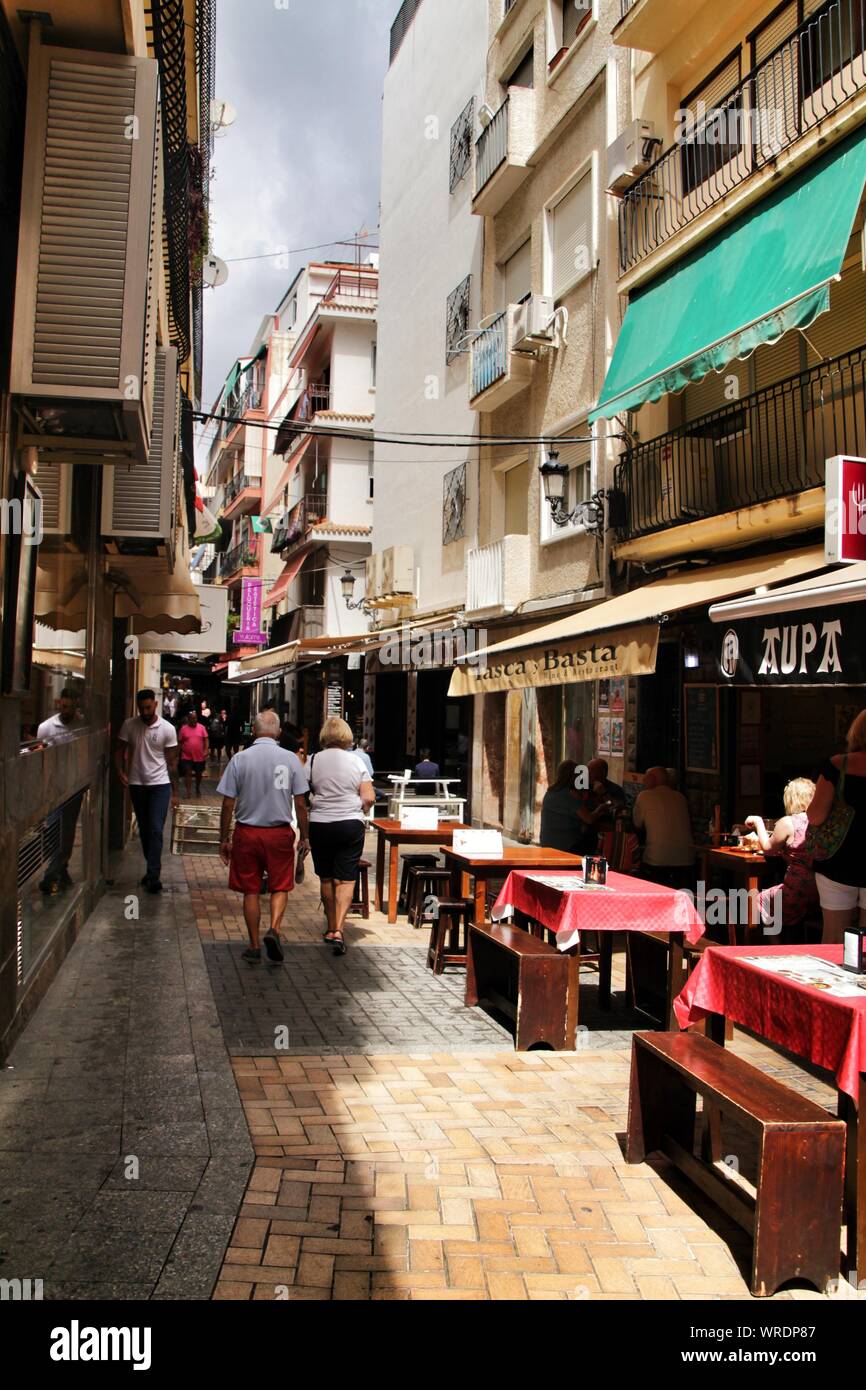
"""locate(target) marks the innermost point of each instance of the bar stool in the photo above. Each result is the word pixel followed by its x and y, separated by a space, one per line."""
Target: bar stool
pixel 429 861
pixel 423 883
pixel 361 900
pixel 451 923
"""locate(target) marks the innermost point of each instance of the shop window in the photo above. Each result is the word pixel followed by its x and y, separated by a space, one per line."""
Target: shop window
pixel 576 723
pixel 50 869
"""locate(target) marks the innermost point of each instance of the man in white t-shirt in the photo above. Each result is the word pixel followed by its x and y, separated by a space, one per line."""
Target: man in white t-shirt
pixel 146 762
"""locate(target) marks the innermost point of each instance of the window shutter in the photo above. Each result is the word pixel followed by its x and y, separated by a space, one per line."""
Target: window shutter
pixel 708 394
pixel 718 87
pixel 571 232
pixel 518 274
pixel 776 97
pixel 844 328
pixel 139 501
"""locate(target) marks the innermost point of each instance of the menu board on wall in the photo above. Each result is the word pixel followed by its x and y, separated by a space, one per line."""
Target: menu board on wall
pixel 702 728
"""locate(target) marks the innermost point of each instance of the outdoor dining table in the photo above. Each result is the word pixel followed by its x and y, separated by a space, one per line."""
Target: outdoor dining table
pixel 392 833
pixel 564 904
pixel 734 983
pixel 481 868
pixel 749 867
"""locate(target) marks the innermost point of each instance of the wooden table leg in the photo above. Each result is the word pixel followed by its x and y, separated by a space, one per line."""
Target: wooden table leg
pixel 380 871
pixel 470 998
pixel 855 1183
pixel 605 951
pixel 716 1028
pixel 480 895
pixel 675 980
pixel 393 862
pixel 753 916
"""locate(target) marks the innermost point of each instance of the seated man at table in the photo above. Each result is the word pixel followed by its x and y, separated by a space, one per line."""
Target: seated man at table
pixel 426 768
pixel 663 820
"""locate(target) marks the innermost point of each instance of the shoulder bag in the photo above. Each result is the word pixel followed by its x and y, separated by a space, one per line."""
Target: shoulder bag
pixel 823 841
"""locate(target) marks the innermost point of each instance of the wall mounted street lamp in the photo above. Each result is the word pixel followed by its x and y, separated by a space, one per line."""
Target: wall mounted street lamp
pixel 347 584
pixel 589 514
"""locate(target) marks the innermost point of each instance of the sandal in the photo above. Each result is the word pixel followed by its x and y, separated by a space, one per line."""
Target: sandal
pixel 339 945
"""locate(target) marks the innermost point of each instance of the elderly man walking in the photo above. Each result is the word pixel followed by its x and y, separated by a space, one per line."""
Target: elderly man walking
pixel 259 786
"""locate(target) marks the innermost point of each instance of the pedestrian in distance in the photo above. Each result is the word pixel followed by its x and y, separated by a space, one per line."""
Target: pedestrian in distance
pixel 260 788
pixel 217 735
pixel 341 795
pixel 146 763
pixel 192 739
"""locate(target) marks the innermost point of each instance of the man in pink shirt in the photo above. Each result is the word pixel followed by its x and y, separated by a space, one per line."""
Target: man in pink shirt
pixel 193 741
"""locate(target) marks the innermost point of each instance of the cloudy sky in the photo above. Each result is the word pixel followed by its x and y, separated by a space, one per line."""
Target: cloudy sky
pixel 300 165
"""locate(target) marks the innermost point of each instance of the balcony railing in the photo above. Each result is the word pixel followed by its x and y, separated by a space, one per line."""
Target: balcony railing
pixel 310 510
pixel 625 6
pixel 238 557
pixel 768 445
pixel 491 148
pixel 362 283
pixel 489 355
pixel 497 575
pixel 811 74
pixel 238 484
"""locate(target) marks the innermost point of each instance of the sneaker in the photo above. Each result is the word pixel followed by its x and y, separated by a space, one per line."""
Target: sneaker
pixel 273 947
pixel 254 957
pixel 154 886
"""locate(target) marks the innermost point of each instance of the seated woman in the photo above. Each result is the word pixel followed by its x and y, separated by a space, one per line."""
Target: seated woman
pixel 567 815
pixel 798 891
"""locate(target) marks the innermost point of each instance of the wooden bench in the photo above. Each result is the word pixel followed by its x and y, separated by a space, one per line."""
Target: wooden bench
pixel 795 1216
pixel 527 980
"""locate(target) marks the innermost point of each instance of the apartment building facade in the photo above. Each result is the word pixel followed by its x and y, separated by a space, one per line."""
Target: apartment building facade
pixel 100 341
pixel 317 501
pixel 734 390
pixel 556 95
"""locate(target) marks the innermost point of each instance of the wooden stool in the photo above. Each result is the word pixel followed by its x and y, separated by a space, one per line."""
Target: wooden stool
pixel 409 861
pixel 361 900
pixel 454 913
pixel 424 883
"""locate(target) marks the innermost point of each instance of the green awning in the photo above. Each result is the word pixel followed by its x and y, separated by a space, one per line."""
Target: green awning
pixel 768 272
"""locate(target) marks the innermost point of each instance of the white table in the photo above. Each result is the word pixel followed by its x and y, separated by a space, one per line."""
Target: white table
pixel 450 805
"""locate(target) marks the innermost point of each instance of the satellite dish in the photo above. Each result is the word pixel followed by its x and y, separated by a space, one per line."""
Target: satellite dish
pixel 214 272
pixel 222 115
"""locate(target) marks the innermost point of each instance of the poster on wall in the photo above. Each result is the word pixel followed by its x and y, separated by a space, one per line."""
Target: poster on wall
pixel 603 696
pixel 617 696
pixel 603 741
pixel 617 737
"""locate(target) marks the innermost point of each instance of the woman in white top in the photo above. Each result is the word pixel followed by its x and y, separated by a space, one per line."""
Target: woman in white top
pixel 341 794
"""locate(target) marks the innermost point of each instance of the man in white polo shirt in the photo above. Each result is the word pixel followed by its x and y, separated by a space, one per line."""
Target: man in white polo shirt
pixel 58 728
pixel 146 762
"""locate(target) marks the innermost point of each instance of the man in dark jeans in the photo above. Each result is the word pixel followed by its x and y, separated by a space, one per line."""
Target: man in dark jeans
pixel 146 762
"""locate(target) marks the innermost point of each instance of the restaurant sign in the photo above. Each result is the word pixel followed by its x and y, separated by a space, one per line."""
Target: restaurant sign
pixel 599 656
pixel 826 648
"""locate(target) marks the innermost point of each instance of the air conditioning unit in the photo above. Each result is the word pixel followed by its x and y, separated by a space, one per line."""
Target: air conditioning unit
pixel 140 502
pixel 373 575
pixel 533 325
pixel 89 258
pixel 630 155
pixel 54 481
pixel 398 573
pixel 686 481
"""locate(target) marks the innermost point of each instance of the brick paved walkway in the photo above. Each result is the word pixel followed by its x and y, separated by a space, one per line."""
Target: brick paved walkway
pixel 405 1151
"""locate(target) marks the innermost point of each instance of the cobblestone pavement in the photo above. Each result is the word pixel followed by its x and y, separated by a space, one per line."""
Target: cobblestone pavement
pixel 405 1151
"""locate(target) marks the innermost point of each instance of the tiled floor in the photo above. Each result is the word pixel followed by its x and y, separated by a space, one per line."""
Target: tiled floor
pixel 410 1153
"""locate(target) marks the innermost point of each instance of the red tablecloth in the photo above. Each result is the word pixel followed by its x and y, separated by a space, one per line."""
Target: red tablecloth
pixel 828 1031
pixel 633 904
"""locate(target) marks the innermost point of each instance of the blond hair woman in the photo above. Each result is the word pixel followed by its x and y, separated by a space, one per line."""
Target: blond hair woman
pixel 841 879
pixel 791 902
pixel 341 794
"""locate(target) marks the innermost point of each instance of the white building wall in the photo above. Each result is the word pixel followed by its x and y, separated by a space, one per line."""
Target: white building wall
pixel 429 242
pixel 349 483
pixel 352 390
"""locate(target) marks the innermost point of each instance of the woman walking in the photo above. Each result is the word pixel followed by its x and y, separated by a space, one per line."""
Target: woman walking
pixel 840 798
pixel 341 794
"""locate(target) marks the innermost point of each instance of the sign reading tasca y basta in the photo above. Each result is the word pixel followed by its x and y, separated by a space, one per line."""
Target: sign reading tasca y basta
pixel 629 652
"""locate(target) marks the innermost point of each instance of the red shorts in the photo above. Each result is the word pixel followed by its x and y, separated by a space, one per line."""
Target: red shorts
pixel 257 848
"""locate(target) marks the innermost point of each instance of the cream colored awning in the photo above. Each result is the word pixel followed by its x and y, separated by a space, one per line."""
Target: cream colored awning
pixel 627 652
pixel 153 599
pixel 689 589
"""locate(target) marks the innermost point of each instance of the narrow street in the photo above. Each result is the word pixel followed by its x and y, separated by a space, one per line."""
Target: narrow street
pixel 193 1126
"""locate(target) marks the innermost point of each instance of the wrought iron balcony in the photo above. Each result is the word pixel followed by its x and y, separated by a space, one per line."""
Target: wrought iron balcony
pixel 491 148
pixel 496 372
pixel 300 520
pixel 238 558
pixel 238 484
pixel 769 445
pixel 813 72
